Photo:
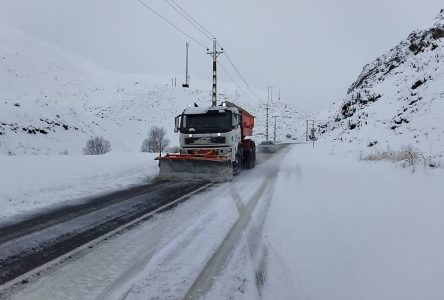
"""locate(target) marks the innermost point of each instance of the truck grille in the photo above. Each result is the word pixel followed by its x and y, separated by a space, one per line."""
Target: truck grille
pixel 205 141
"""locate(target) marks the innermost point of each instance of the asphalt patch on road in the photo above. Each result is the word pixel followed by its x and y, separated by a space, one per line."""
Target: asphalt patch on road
pixel 140 200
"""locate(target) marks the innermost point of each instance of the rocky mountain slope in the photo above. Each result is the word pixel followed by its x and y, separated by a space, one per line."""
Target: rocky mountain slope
pixel 52 101
pixel 398 99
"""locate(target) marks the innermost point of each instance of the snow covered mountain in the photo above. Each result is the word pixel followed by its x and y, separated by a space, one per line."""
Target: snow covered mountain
pixel 52 101
pixel 398 99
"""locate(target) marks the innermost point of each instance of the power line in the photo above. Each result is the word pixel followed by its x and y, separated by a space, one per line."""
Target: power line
pixel 237 70
pixel 171 24
pixel 233 81
pixel 209 35
pixel 239 74
pixel 189 21
pixel 206 33
pixel 195 21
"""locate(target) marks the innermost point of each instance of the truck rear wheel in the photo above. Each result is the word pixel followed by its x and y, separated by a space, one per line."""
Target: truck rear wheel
pixel 249 159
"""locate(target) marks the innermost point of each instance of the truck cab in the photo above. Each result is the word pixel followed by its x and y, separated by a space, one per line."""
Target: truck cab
pixel 224 129
pixel 217 128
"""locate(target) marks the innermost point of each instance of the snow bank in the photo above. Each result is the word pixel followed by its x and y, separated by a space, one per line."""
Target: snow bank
pixel 342 229
pixel 32 182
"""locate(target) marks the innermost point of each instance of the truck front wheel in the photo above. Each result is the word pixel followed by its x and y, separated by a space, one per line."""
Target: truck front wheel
pixel 237 164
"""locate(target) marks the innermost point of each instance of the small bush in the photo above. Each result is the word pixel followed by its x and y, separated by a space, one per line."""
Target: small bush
pixel 97 146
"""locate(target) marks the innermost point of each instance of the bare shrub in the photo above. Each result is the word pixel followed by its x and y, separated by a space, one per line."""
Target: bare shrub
pixel 408 156
pixel 156 141
pixel 97 146
pixel 387 154
pixel 145 146
pixel 430 162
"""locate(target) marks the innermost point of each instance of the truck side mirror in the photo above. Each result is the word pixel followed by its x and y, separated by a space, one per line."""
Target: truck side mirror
pixel 235 120
pixel 176 124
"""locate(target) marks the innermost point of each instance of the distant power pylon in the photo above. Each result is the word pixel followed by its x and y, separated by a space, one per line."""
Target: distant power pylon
pixel 187 77
pixel 274 138
pixel 266 122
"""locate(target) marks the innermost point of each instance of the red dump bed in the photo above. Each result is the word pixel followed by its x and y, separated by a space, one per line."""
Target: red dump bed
pixel 247 120
pixel 247 124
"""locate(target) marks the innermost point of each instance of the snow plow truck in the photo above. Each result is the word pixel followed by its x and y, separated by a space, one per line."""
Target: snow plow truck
pixel 215 144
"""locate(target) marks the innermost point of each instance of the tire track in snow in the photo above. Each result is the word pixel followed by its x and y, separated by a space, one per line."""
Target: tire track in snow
pixel 216 263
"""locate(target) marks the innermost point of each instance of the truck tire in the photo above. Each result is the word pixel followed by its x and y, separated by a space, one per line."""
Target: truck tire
pixel 249 159
pixel 237 164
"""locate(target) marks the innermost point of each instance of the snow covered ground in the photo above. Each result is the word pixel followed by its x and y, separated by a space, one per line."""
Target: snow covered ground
pixel 313 225
pixel 30 183
pixel 343 229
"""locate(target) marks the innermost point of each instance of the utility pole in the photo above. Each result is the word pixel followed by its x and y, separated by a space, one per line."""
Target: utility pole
pixel 270 93
pixel 266 115
pixel 187 77
pixel 279 98
pixel 214 54
pixel 310 134
pixel 266 125
pixel 274 139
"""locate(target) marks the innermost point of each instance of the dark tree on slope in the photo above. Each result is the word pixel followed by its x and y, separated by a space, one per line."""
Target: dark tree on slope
pixel 97 146
pixel 156 141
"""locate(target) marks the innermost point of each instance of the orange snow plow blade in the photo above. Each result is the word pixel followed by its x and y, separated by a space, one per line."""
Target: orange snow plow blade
pixel 203 166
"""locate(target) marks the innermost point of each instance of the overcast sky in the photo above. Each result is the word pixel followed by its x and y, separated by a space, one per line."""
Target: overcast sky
pixel 311 50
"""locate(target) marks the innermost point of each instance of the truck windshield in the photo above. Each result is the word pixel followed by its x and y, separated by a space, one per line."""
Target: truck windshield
pixel 210 122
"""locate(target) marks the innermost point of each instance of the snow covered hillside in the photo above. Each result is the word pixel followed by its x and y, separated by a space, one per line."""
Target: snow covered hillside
pixel 52 101
pixel 398 99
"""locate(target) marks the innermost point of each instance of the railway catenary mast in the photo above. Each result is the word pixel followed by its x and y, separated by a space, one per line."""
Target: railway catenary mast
pixel 215 54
